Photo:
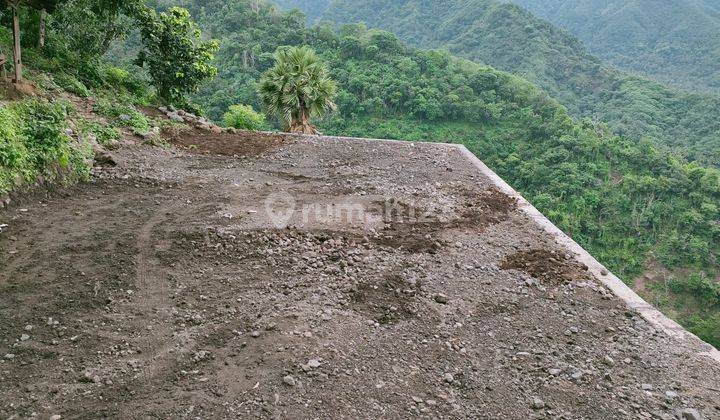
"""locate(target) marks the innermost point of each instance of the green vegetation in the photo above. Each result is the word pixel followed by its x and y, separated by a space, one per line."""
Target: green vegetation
pixel 177 61
pixel 313 9
pixel 297 88
pixel 33 143
pixel 676 42
pixel 34 139
pixel 509 38
pixel 243 117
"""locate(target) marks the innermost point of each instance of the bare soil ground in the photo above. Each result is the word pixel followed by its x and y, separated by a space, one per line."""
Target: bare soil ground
pixel 401 284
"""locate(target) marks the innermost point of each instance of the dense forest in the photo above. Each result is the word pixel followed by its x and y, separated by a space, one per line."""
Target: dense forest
pixel 676 42
pixel 313 9
pixel 639 209
pixel 510 38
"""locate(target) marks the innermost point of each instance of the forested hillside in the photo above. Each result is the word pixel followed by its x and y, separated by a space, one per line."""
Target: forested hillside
pixel 674 41
pixel 638 209
pixel 313 9
pixel 509 38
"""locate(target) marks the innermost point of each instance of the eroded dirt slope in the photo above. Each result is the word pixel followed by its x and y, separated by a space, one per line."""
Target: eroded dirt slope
pixel 402 285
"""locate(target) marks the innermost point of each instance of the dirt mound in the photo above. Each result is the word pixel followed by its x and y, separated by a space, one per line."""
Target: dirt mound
pixel 549 266
pixel 244 143
pixel 417 230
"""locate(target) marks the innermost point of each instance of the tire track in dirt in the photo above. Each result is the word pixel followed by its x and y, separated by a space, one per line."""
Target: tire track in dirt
pixel 153 299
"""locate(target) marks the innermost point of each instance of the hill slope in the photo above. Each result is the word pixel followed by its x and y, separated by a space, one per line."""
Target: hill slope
pixel 512 39
pixel 638 209
pixel 313 9
pixel 674 41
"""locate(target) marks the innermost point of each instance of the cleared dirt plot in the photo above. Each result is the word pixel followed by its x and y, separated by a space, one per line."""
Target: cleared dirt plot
pixel 262 276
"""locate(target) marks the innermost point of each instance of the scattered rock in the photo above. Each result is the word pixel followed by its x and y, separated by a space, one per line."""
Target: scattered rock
pixel 690 414
pixel 449 378
pixel 441 298
pixel 537 404
pixel 314 363
pixel 289 380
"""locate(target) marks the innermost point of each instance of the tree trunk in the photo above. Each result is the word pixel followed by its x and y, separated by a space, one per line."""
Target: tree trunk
pixel 41 37
pixel 301 124
pixel 17 53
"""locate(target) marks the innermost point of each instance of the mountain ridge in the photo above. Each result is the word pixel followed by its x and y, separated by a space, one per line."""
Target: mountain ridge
pixel 512 39
pixel 676 42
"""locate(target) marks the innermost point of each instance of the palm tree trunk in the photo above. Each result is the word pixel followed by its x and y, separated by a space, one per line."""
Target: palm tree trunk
pixel 301 124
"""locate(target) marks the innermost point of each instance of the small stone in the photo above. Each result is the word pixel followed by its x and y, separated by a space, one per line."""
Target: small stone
pixel 314 363
pixel 671 395
pixel 24 337
pixel 28 328
pixel 537 403
pixel 441 298
pixel 577 375
pixel 56 417
pixel 609 361
pixel 690 414
pixel 9 356
pixel 604 272
pixel 289 380
pixel 449 378
pixel 554 372
pixel 646 387
pixel 255 334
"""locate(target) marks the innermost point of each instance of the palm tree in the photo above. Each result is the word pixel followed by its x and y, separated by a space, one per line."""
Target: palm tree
pixel 297 88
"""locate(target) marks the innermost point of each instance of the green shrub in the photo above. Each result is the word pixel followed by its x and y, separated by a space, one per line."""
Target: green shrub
pixel 122 114
pixel 707 328
pixel 72 85
pixel 105 134
pixel 702 288
pixel 244 117
pixel 122 79
pixel 33 142
pixel 44 132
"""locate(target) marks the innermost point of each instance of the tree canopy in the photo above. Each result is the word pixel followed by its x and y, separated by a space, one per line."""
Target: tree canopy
pixel 297 88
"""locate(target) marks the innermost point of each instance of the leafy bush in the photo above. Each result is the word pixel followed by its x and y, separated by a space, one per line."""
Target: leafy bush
pixel 33 142
pixel 243 117
pixel 122 79
pixel 104 134
pixel 707 328
pixel 122 113
pixel 72 85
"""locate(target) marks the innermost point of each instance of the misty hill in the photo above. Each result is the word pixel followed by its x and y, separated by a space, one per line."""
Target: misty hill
pixel 674 41
pixel 510 38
